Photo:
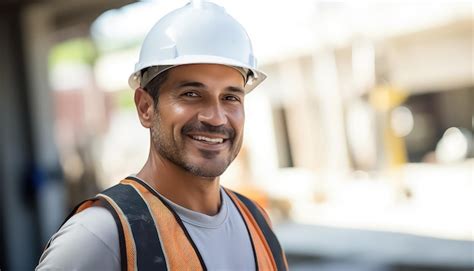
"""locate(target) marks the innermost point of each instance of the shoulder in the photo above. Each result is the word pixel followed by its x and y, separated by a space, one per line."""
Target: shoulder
pixel 94 229
pixel 100 223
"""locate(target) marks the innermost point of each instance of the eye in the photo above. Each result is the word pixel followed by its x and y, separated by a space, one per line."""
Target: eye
pixel 231 98
pixel 190 94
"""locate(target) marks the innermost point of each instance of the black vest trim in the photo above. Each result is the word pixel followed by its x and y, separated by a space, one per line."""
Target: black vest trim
pixel 272 241
pixel 178 219
pixel 149 253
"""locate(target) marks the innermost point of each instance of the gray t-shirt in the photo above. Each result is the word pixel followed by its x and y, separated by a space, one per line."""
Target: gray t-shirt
pixel 89 240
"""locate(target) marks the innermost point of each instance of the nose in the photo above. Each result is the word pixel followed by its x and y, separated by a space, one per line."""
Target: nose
pixel 213 114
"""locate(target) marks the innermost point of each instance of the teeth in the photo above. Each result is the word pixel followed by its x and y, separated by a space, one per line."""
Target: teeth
pixel 207 139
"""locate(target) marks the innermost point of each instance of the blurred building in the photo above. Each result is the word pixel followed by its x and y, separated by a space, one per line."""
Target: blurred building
pixel 345 98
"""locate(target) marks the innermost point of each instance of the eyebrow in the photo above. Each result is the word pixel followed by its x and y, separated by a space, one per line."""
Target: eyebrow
pixel 183 84
pixel 236 89
pixel 196 84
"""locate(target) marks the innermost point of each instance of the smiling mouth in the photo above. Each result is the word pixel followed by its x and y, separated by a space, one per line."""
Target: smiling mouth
pixel 208 140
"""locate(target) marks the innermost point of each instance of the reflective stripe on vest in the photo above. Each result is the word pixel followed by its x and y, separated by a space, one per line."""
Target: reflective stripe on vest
pixel 153 237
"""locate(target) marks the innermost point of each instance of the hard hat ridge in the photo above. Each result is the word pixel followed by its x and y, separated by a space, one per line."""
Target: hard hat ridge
pixel 199 32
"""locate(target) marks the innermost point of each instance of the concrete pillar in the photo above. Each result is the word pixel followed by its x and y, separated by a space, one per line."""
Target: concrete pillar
pixel 300 118
pixel 38 32
pixel 18 223
pixel 327 92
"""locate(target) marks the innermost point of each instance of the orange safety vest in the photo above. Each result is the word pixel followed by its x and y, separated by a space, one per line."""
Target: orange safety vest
pixel 153 237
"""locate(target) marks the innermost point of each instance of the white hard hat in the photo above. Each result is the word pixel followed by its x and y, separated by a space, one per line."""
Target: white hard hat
pixel 200 32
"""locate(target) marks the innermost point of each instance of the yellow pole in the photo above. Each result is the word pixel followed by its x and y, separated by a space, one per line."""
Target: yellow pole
pixel 384 99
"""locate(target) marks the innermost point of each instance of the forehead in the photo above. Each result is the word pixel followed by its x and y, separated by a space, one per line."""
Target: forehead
pixel 208 74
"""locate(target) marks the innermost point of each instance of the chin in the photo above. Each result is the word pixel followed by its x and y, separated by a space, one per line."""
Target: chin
pixel 208 169
pixel 205 172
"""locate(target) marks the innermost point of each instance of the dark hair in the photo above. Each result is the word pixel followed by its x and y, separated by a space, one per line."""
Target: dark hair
pixel 155 84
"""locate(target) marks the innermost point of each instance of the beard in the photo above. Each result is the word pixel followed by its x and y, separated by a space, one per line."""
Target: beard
pixel 176 150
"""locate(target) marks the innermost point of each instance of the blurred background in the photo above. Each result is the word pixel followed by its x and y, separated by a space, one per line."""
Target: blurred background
pixel 359 144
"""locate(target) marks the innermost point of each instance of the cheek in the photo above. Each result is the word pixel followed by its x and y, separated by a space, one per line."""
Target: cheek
pixel 179 116
pixel 177 110
pixel 237 118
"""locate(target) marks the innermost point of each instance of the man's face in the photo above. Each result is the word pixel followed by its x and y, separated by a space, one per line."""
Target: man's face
pixel 199 120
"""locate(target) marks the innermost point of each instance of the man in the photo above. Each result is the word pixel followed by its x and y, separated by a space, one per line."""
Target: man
pixel 196 67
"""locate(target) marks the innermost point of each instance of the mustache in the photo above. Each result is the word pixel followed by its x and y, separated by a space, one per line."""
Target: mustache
pixel 202 127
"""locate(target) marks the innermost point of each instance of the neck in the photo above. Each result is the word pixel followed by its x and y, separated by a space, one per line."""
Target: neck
pixel 196 193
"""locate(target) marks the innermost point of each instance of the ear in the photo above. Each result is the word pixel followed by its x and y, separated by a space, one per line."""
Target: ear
pixel 145 107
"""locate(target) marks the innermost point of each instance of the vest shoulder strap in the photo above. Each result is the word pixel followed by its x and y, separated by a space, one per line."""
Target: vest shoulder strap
pixel 180 250
pixel 263 223
pixel 140 245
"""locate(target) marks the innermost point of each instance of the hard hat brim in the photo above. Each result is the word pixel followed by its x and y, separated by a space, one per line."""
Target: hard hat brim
pixel 257 77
